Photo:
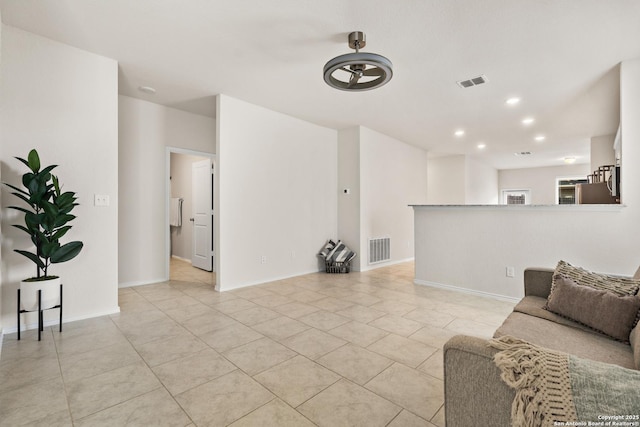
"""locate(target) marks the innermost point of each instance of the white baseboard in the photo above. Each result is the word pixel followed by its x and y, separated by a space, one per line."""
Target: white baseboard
pixel 466 290
pixel 34 325
pixel 369 267
pixel 142 282
pixel 271 279
pixel 181 259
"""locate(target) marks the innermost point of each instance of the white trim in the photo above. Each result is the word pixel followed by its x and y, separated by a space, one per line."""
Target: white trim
pixel 30 326
pixel 613 207
pixel 273 279
pixel 181 259
pixel 142 282
pixel 466 290
pixel 385 264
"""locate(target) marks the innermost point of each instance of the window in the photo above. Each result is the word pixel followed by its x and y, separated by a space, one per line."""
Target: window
pixel 566 189
pixel 516 197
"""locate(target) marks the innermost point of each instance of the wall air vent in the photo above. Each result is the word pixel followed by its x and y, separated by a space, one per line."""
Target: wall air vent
pixel 474 81
pixel 379 249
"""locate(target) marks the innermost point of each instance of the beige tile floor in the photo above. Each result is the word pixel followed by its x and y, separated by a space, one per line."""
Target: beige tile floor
pixel 329 350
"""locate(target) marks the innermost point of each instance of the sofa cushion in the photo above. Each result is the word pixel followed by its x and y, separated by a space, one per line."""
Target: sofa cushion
pixel 582 343
pixel 634 338
pixel 602 310
pixel 534 306
pixel 621 286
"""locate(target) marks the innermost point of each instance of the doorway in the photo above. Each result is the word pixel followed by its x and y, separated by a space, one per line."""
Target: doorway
pixel 190 240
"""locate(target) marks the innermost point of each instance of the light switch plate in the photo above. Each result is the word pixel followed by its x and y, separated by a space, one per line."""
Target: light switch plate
pixel 101 200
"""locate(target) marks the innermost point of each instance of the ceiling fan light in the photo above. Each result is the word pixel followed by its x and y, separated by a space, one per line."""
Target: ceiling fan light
pixel 357 65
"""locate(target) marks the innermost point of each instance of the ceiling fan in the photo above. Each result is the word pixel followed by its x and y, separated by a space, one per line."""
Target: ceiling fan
pixel 360 70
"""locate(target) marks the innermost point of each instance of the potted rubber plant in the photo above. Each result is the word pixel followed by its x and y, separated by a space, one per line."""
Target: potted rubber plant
pixel 46 220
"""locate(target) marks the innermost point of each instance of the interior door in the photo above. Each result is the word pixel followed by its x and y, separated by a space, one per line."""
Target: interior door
pixel 201 196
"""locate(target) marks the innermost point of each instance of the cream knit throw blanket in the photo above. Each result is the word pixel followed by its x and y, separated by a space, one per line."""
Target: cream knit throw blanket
pixel 558 389
pixel 541 380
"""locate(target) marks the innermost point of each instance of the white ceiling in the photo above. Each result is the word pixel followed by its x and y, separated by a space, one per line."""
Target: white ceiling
pixel 559 56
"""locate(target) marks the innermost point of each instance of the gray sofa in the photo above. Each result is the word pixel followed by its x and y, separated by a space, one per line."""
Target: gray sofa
pixel 474 393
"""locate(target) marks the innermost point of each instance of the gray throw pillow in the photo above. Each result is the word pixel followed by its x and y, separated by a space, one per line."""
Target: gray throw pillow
pixel 601 310
pixel 621 286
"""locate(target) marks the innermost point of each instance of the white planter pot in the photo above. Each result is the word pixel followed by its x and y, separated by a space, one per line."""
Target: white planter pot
pixel 50 294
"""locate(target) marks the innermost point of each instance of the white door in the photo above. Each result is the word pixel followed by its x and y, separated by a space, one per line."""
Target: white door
pixel 201 194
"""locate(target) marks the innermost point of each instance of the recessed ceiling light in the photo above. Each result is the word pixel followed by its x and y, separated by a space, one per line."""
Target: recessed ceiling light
pixel 569 160
pixel 512 101
pixel 482 145
pixel 527 121
pixel 540 138
pixel 459 132
pixel 147 89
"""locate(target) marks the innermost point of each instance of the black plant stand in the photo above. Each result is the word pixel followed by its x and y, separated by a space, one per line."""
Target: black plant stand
pixel 40 313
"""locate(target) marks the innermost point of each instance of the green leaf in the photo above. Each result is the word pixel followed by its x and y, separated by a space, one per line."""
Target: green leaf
pixel 23 161
pixel 34 161
pixel 18 189
pixel 21 209
pixel 60 232
pixel 48 169
pixel 62 220
pixel 20 196
pixel 49 249
pixel 66 252
pixel 56 184
pixel 50 209
pixel 22 227
pixel 27 178
pixel 32 257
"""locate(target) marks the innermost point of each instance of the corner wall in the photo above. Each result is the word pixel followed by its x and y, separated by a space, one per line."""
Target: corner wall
pixel 275 194
pixel 393 175
pixel 384 177
pixel 64 102
pixel 145 131
pixel 349 204
pixel 461 180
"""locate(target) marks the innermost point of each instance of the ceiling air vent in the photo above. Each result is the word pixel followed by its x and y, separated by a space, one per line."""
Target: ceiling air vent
pixel 523 153
pixel 474 81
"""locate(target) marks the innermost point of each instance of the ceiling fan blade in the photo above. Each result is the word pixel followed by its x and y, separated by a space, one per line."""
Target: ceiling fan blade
pixel 348 70
pixel 373 72
pixel 353 80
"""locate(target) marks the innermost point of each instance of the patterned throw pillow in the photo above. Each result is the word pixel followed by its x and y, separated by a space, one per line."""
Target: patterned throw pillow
pixel 341 253
pixel 621 286
pixel 328 247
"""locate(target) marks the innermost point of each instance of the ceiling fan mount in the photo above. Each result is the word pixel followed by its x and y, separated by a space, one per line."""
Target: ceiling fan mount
pixel 360 70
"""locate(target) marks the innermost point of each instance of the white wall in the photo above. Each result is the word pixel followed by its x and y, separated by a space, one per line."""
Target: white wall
pixel 276 193
pixel 393 175
pixel 461 180
pixel 481 183
pixel 349 204
pixel 602 152
pixel 63 102
pixel 446 180
pixel 182 237
pixel 541 181
pixel 145 131
pixel 470 247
